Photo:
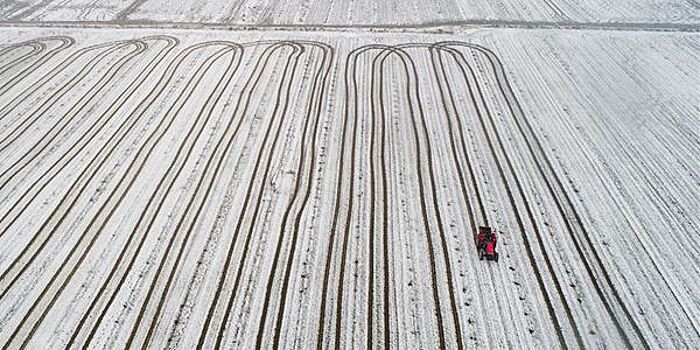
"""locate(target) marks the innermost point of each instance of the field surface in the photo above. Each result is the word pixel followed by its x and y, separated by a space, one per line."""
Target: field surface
pixel 319 183
pixel 176 191
pixel 353 13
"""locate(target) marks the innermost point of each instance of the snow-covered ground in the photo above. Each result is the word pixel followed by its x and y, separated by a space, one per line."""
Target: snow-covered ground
pixel 182 187
pixel 360 12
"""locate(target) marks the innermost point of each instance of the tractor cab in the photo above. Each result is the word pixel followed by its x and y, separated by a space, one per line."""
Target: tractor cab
pixel 486 239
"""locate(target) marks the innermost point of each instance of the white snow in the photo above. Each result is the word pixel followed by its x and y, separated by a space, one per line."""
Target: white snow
pixel 360 12
pixel 294 189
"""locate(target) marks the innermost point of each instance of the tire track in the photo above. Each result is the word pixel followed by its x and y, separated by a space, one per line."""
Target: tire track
pixel 100 158
pixel 172 111
pixel 86 70
pixel 8 48
pixel 376 101
pixel 337 206
pixel 12 272
pixel 29 195
pixel 128 123
pixel 442 78
pixel 198 126
pixel 70 116
pixel 65 43
pixel 564 205
pixel 124 14
pixel 346 234
pixel 133 256
pixel 353 55
pixel 293 57
pixel 413 94
pixel 22 97
pixel 535 268
pixel 266 215
pixel 435 204
pixel 133 170
pixel 171 181
pixel 36 48
pixel 471 76
pixel 181 221
pixel 408 61
pixel 18 265
pixel 184 313
pixel 316 99
pixel 313 219
pixel 152 311
pixel 511 102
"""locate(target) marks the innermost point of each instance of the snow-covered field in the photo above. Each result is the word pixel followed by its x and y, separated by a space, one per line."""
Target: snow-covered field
pixel 314 177
pixel 182 188
pixel 360 12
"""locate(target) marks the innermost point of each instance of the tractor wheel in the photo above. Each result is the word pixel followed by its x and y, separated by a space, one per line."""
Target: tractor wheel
pixel 496 258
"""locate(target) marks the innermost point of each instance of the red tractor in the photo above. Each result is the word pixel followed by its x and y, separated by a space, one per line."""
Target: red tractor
pixel 486 240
